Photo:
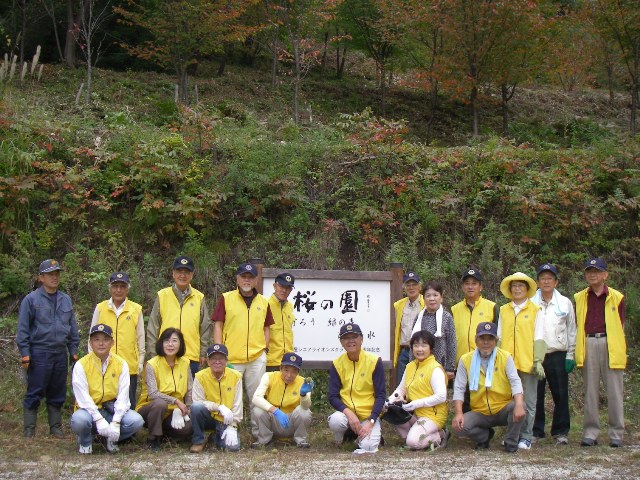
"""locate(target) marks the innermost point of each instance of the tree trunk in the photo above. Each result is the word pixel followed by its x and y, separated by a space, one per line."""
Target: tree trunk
pixel 23 31
pixel 635 87
pixel 183 86
pixel 433 109
pixel 70 41
pixel 383 90
pixel 274 60
pixel 323 62
pixel 340 71
pixel 296 84
pixel 474 110
pixel 610 83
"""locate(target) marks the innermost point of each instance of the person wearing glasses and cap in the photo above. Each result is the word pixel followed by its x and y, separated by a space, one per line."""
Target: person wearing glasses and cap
pixel 183 307
pixel 281 404
pixel 521 333
pixel 559 322
pixel 100 383
pixel 357 392
pixel 217 402
pixel 407 310
pixel 281 332
pixel 126 321
pixel 47 339
pixel 601 351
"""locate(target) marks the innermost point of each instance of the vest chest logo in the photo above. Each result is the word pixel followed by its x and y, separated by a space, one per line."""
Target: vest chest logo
pixel 191 304
pixel 481 314
pixel 294 393
pixel 613 309
pixel 113 375
pixel 526 316
pixel 228 389
pixel 362 374
pixel 258 308
pixel 421 375
pixel 128 317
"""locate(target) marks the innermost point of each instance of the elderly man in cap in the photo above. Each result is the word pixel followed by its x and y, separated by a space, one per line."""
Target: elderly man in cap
pixel 281 404
pixel 242 320
pixel 559 324
pixel 407 310
pixel 183 307
pixel 100 383
pixel 281 332
pixel 217 402
pixel 496 392
pixel 357 392
pixel 601 351
pixel 520 330
pixel 126 321
pixel 47 338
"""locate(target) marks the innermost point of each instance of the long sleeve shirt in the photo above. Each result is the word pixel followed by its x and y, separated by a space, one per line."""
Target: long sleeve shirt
pixel 155 394
pixel 460 384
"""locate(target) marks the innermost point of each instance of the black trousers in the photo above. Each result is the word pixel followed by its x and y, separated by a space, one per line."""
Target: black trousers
pixel 558 380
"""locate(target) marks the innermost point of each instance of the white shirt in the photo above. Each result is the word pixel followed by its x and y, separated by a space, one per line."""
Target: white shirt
pixel 259 401
pixel 438 385
pixel 559 331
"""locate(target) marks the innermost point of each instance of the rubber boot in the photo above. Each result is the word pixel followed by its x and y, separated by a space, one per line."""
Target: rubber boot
pixel 30 417
pixel 55 421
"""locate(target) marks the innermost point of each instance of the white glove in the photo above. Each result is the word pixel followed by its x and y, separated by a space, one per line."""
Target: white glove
pixel 210 405
pixel 230 437
pixel 394 397
pixel 114 432
pixel 411 406
pixel 186 418
pixel 227 414
pixel 103 427
pixel 177 420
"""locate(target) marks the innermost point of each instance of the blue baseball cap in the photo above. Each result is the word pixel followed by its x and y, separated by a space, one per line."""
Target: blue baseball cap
pixel 101 328
pixel 217 348
pixel 471 272
pixel 349 328
pixel 547 267
pixel 292 359
pixel 410 276
pixel 49 265
pixel 285 279
pixel 119 277
pixel 487 328
pixel 596 263
pixel 184 262
pixel 247 268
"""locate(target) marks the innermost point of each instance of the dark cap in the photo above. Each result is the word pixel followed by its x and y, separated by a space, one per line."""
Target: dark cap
pixel 119 277
pixel 487 328
pixel 410 276
pixel 471 272
pixel 596 263
pixel 49 265
pixel 184 262
pixel 349 328
pixel 547 267
pixel 101 328
pixel 217 348
pixel 285 279
pixel 247 268
pixel 291 359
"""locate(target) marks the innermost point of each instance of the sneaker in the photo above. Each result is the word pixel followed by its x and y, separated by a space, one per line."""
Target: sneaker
pixel 524 444
pixel 154 444
pixel 588 442
pixel 85 450
pixel 361 451
pixel 197 447
pixel 562 440
pixel 304 445
pixel 615 443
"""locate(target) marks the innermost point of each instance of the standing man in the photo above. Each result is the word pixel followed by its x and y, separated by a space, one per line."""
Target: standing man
pixel 47 338
pixel 407 310
pixel 559 324
pixel 183 307
pixel 496 392
pixel 100 383
pixel 282 402
pixel 357 392
pixel 601 351
pixel 126 321
pixel 242 319
pixel 281 332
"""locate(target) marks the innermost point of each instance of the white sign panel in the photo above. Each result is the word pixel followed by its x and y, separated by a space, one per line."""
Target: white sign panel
pixel 322 306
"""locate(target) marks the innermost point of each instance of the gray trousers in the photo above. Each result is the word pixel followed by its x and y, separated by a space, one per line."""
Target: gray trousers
pixel 477 425
pixel 530 391
pixel 268 426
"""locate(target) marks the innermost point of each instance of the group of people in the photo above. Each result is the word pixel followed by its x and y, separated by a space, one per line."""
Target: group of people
pixel 195 368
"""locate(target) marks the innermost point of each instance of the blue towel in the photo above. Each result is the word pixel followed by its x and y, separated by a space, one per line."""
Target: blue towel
pixel 537 299
pixel 474 374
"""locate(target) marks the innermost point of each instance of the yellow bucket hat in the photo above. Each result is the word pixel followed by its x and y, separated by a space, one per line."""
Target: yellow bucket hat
pixel 519 276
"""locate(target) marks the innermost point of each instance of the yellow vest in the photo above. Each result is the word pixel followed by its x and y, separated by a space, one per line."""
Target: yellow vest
pixel 490 401
pixel 185 318
pixel 170 381
pixel 466 323
pixel 399 307
pixel 281 332
pixel 616 343
pixel 417 379
pixel 243 331
pixel 283 396
pixel 357 390
pixel 102 388
pixel 518 334
pixel 221 391
pixel 125 340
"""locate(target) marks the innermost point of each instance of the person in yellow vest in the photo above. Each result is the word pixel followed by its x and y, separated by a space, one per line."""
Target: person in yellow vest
pixel 496 392
pixel 183 307
pixel 217 402
pixel 423 391
pixel 406 310
pixel 357 392
pixel 281 332
pixel 521 333
pixel 126 321
pixel 100 382
pixel 601 352
pixel 468 313
pixel 241 321
pixel 166 390
pixel 282 402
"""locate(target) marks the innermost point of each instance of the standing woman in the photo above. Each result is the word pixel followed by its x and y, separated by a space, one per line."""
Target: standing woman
pixel 435 319
pixel 423 388
pixel 166 390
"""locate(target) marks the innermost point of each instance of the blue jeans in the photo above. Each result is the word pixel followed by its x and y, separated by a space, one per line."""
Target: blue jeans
pixel 84 427
pixel 202 420
pixel 46 377
pixel 403 360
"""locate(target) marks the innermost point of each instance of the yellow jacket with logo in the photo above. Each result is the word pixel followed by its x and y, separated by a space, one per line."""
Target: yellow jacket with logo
pixel 357 391
pixel 281 332
pixel 102 388
pixel 518 334
pixel 220 391
pixel 417 379
pixel 243 331
pixel 466 323
pixel 283 396
pixel 399 308
pixel 490 401
pixel 124 327
pixel 186 318
pixel 170 381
